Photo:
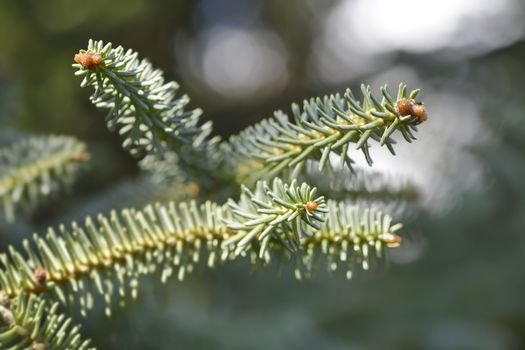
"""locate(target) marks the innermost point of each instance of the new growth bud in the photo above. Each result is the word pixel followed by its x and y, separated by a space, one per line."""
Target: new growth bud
pixel 89 59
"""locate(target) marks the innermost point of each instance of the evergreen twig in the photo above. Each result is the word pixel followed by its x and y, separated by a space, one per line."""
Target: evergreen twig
pixel 114 251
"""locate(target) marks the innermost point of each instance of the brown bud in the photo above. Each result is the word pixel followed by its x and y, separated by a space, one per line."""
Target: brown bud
pixel 89 59
pixel 419 111
pixel 311 206
pixel 404 107
pixel 96 59
pixel 41 276
pixel 391 239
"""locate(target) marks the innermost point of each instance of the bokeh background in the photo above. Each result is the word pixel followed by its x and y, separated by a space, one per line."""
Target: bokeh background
pixel 459 282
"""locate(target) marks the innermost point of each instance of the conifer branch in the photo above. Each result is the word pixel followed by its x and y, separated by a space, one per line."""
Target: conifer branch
pixel 271 220
pixel 280 213
pixel 331 125
pixel 143 108
pixel 32 324
pixel 277 221
pixel 154 124
pixel 35 167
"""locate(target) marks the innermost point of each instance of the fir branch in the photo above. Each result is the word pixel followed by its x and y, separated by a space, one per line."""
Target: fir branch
pixel 143 108
pixel 280 213
pixel 321 128
pixel 35 167
pixel 280 221
pixel 32 324
pixel 155 126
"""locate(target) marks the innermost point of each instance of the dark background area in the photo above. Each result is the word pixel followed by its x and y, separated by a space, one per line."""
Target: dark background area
pixel 458 282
